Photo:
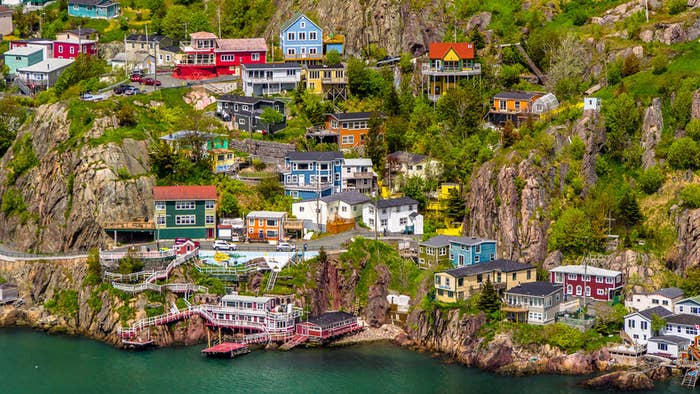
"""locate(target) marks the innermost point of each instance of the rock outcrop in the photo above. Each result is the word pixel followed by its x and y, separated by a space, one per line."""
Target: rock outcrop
pixel 688 239
pixel 76 187
pixel 621 381
pixel 591 131
pixel 652 127
pixel 672 33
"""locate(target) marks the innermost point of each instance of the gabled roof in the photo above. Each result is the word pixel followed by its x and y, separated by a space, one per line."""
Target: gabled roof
pixel 7 286
pixel 351 197
pixel 694 300
pixel 517 95
pixel 353 115
pixel 657 310
pixel 396 202
pixel 266 214
pixel 464 50
pixel 99 3
pixel 670 292
pixel 241 44
pixel 683 319
pixel 289 22
pixel 438 241
pixel 406 157
pixel 481 268
pixel 470 240
pixel 537 289
pixel 201 35
pixel 361 161
pixel 181 193
pixel 315 156
pixel 585 270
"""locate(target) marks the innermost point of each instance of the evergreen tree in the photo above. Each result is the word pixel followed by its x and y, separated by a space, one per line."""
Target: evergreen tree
pixel 629 211
pixel 392 106
pixel 488 299
pixel 375 146
pixel 455 206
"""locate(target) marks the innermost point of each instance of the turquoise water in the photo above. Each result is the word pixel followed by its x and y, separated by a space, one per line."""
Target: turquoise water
pixel 32 362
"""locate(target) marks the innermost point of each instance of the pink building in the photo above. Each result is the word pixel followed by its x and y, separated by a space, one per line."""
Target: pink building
pixel 206 56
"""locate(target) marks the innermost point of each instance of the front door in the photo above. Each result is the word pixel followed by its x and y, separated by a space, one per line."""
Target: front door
pixel 461 260
pixel 261 234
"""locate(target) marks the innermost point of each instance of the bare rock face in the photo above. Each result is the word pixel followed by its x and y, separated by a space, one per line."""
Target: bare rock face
pixel 688 239
pixel 634 266
pixel 377 304
pixel 695 106
pixel 591 131
pixel 553 260
pixel 652 127
pixel 622 381
pixel 74 191
pixel 479 21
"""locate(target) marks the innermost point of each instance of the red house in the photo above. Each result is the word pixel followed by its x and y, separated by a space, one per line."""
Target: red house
pixel 580 280
pixel 70 48
pixel 206 56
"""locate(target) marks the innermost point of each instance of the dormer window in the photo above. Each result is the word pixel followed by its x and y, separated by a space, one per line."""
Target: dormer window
pixel 302 25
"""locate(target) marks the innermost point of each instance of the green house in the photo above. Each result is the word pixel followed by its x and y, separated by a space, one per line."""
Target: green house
pixel 435 251
pixel 23 57
pixel 185 211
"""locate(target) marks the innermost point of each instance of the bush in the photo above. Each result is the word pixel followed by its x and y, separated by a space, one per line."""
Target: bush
pixel 658 64
pixel 94 273
pixel 23 158
pixel 692 129
pixel 65 302
pixel 651 180
pixel 126 115
pixel 690 196
pixel 676 6
pixel 572 233
pixel 683 154
pixel 631 65
pixel 129 265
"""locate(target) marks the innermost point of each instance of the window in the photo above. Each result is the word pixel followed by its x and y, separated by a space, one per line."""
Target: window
pixel 569 289
pixel 209 219
pixel 598 279
pixel 588 291
pixel 60 49
pixel 291 51
pixel 644 325
pixel 348 139
pixel 241 121
pixel 271 222
pixel 571 276
pixel 344 209
pixel 609 280
pixel 209 204
pixel 302 25
pixel 586 278
pixel 558 277
pixel 160 220
pixel 403 221
pixel 385 222
pixel 443 251
pixel 303 50
pixel 184 205
pixel 313 36
pixel 460 282
pixel 664 302
pixel 579 290
pixel 182 220
pixel 271 234
pixel 160 205
pixel 529 274
pixel 291 36
pixel 291 73
pixel 447 281
pixel 312 51
pixel 302 36
pixel 477 249
pixel 655 301
pixel 301 209
pixel 515 276
pixel 72 50
pixel 228 58
pixel 662 346
pixel 600 292
pixel 479 278
pixel 476 259
pixel 255 56
pixel 76 7
pixel 630 323
pixel 437 280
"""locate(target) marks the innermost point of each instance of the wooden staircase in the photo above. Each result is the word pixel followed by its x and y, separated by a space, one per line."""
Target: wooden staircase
pixel 295 341
pixel 690 378
pixel 271 281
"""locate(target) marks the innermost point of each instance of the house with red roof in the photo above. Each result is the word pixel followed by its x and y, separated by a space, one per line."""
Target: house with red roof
pixel 185 211
pixel 448 63
pixel 207 56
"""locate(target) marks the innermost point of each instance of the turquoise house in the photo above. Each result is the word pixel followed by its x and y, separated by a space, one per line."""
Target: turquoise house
pixel 94 9
pixel 23 57
pixel 301 40
pixel 469 251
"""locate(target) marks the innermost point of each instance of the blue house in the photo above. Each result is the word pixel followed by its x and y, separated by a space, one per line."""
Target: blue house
pixel 94 9
pixel 312 174
pixel 23 57
pixel 301 40
pixel 470 251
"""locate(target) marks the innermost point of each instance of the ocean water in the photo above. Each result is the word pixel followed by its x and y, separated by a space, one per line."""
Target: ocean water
pixel 34 362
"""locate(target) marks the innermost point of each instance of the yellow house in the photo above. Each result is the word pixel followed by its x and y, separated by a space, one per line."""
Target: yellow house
pixel 224 160
pixel 449 62
pixel 439 202
pixel 461 283
pixel 329 81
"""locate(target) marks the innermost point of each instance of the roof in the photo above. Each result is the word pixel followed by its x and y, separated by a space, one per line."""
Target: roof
pixel 437 241
pixel 246 99
pixel 517 95
pixel 670 339
pixel 470 240
pixel 353 115
pixel 657 310
pixel 396 202
pixel 47 65
pixel 320 156
pixel 201 35
pixel 178 135
pixel 500 265
pixel 103 3
pixel 265 66
pixel 242 44
pixel 236 297
pixel 406 157
pixel 325 66
pixel 351 197
pixel 266 214
pixel 695 300
pixel 363 161
pixel 293 19
pixel 171 48
pixel 179 193
pixel 23 51
pixel 4 8
pixel 144 38
pixel 535 289
pixel 684 319
pixel 670 292
pixel 330 318
pixel 84 31
pixel 464 50
pixel 585 270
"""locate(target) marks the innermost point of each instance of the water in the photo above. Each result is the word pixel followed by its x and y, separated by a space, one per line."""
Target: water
pixel 32 362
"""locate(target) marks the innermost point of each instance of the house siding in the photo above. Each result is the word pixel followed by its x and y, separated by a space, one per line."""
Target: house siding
pixel 461 254
pixel 199 229
pixel 302 48
pixel 452 291
pixel 576 285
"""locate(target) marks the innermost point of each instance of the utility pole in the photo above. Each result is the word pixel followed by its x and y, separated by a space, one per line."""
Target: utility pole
pixel 218 17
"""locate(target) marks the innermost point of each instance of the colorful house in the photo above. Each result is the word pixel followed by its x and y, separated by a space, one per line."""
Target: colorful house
pixel 71 43
pixel 460 283
pixel 347 129
pixel 449 62
pixel 94 9
pixel 139 46
pixel 359 175
pixel 334 42
pixel 533 302
pixel 301 40
pixel 207 56
pixel 439 201
pixel 519 106
pixel 328 81
pixel 394 216
pixel 404 165
pixel 471 250
pixel 583 281
pixel 245 112
pixel 638 324
pixel 185 211
pixel 312 174
pixel 47 45
pixel 269 79
pixel 435 251
pixel 345 207
pixel 265 225
pixel 43 75
pixel 23 57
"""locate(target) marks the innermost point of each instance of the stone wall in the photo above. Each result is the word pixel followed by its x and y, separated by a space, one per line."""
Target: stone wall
pixel 267 151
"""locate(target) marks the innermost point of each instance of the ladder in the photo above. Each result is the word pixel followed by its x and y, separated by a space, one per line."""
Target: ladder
pixel 690 378
pixel 271 281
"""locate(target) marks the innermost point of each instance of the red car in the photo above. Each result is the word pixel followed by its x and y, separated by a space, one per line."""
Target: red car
pixel 150 82
pixel 136 78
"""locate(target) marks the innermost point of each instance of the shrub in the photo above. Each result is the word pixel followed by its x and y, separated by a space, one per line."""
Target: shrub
pixel 683 154
pixel 676 6
pixel 23 158
pixel 126 115
pixel 692 129
pixel 572 233
pixel 128 265
pixel 658 64
pixel 651 180
pixel 631 65
pixel 690 196
pixel 65 302
pixel 94 273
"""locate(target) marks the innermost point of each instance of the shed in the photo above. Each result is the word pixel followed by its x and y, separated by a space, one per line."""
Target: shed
pixel 546 103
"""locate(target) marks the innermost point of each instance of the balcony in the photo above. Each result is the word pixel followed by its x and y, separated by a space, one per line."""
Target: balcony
pixel 517 308
pixel 452 71
pixel 309 186
pixel 360 175
pixel 443 287
pixel 186 46
pixel 303 56
pixel 334 81
pixel 271 78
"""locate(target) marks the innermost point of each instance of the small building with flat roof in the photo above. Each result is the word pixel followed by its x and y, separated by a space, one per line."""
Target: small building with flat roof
pixel 8 293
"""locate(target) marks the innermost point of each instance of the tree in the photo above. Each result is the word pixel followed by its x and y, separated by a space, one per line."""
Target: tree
pixel 270 188
pixel 271 116
pixel 228 205
pixel 83 68
pixel 621 121
pixel 657 323
pixel 178 16
pixel 684 154
pixel 651 180
pixel 375 145
pixel 628 209
pixel 94 272
pixel 572 233
pixel 489 302
pixel 333 57
pixel 364 82
pixel 456 209
pixel 162 159
pixel 391 102
pixel 509 134
pixel 461 110
pixel 414 187
pixel 568 65
pixel 631 65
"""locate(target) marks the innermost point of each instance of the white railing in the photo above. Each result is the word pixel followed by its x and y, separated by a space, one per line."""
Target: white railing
pixel 106 255
pixel 152 276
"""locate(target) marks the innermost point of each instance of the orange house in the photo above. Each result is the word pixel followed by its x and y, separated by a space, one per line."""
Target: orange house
pixel 350 127
pixel 517 106
pixel 265 225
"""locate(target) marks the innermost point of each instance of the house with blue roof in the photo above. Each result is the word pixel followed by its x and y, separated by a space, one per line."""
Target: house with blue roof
pixel 301 40
pixel 312 174
pixel 470 251
pixel 94 9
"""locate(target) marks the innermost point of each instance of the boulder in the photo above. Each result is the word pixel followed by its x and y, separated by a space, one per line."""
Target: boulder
pixel 621 381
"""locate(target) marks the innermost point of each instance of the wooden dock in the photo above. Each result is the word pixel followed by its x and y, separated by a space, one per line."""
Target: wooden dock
pixel 227 350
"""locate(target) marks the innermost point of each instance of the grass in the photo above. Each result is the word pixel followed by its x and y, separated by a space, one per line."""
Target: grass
pixel 65 302
pixel 558 335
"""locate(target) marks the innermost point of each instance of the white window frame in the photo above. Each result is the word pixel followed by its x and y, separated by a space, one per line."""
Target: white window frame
pixel 291 36
pixel 185 205
pixel 255 56
pixel 160 205
pixel 209 219
pixel 313 35
pixel 185 220
pixel 209 204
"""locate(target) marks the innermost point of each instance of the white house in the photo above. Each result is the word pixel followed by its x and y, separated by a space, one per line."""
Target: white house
pixel 396 215
pixel 345 206
pixel 43 74
pixel 404 165
pixel 669 346
pixel 358 175
pixel 263 79
pixel 680 331
pixel 638 324
pixel 666 298
pixel 690 306
pixel 591 103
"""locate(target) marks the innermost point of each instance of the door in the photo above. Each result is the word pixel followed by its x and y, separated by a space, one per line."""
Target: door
pixel 261 234
pixel 210 233
pixel 461 260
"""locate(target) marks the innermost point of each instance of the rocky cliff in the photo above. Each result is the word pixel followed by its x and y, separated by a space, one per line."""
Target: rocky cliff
pixel 74 186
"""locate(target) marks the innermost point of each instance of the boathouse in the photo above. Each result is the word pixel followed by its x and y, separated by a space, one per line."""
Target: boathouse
pixel 329 325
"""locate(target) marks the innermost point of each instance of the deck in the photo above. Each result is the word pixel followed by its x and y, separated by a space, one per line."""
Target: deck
pixel 226 349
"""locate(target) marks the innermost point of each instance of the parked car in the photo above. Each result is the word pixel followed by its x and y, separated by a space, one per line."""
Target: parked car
pixel 136 77
pixel 179 241
pixel 150 82
pixel 220 244
pixel 121 88
pixel 132 90
pixel 286 247
pixel 92 97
